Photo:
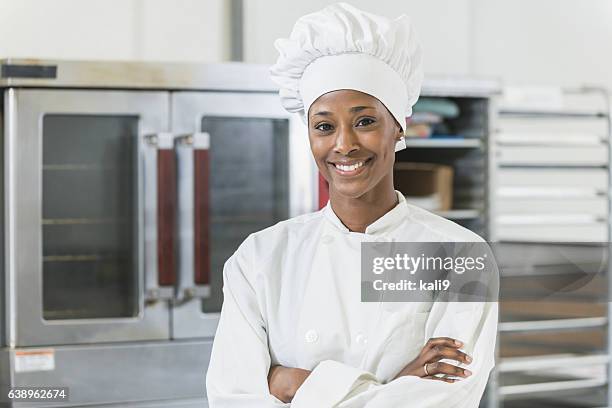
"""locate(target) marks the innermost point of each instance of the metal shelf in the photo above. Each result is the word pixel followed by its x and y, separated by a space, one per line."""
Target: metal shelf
pixel 570 114
pixel 550 269
pixel 517 364
pixel 550 140
pixel 549 192
pixel 553 166
pixel 581 366
pixel 553 324
pixel 507 390
pixel 463 87
pixel 444 143
pixel 550 219
pixel 464 214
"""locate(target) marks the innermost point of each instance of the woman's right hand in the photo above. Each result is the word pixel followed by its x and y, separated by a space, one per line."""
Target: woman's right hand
pixel 284 382
pixel 436 349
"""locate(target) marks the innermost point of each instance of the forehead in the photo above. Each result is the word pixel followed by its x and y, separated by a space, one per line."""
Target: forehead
pixel 342 100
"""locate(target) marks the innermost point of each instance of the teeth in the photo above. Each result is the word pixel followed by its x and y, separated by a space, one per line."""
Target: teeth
pixel 349 168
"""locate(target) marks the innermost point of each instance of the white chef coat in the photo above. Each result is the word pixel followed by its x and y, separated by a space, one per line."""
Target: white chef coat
pixel 292 297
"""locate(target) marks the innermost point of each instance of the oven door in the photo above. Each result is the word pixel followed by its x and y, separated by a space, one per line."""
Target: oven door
pixel 75 177
pixel 243 164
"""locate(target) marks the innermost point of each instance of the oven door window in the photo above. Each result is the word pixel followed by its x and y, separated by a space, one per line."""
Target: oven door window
pixel 249 186
pixel 89 207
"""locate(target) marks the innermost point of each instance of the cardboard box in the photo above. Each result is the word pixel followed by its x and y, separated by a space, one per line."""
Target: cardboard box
pixel 426 185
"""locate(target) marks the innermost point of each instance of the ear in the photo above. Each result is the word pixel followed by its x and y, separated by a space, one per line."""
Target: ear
pixel 399 133
pixel 400 143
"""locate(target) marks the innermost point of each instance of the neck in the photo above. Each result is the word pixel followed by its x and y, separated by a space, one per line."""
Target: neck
pixel 356 213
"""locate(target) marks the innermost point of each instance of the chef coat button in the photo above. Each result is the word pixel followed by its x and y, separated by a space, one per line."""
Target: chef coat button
pixel 327 239
pixel 361 339
pixel 311 336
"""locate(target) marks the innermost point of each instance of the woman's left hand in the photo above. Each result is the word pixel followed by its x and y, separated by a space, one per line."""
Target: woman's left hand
pixel 284 382
pixel 427 364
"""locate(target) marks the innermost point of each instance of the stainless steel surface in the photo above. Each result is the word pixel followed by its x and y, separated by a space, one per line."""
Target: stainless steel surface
pixel 150 75
pixel 571 114
pixel 608 101
pixel 188 111
pixel 461 86
pixel 237 30
pixel 140 372
pixel 232 91
pixel 554 324
pixel 533 388
pixel 492 397
pixel 185 146
pixel 182 403
pixel 151 144
pixel 535 196
pixel 23 229
pixel 3 285
pixel 10 303
pixel 6 373
pixel 192 76
pixel 443 143
pixel 563 361
pixel 188 108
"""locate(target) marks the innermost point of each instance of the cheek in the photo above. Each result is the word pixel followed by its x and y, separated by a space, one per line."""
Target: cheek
pixel 319 149
pixel 385 160
pixel 385 150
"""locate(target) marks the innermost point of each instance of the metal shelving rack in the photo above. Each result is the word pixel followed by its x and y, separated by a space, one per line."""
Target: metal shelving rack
pixel 574 206
pixel 469 154
pixel 472 157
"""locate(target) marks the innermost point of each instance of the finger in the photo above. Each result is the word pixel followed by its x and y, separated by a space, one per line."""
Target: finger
pixel 438 353
pixel 443 341
pixel 444 379
pixel 447 369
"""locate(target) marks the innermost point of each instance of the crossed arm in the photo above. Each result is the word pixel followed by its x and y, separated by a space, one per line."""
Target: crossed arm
pixel 284 382
pixel 241 374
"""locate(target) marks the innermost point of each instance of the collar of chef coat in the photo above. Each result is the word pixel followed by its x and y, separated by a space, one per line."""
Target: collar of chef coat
pixel 385 224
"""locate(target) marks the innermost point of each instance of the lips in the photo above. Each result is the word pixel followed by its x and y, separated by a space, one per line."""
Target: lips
pixel 350 167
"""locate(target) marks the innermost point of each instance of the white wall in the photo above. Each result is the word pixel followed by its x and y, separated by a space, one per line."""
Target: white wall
pixel 558 42
pixel 442 25
pixel 184 30
pixel 187 30
pixel 521 41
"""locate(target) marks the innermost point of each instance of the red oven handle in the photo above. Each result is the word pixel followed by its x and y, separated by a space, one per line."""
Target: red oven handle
pixel 166 217
pixel 201 170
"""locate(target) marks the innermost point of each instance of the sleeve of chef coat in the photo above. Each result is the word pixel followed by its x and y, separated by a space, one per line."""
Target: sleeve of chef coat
pixel 237 375
pixel 333 384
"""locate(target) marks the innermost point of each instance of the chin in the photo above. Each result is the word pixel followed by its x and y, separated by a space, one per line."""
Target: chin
pixel 351 190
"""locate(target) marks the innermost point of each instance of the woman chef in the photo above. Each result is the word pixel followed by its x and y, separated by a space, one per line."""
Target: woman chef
pixel 292 326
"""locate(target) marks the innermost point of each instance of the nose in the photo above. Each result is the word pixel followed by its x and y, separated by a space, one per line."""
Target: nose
pixel 346 141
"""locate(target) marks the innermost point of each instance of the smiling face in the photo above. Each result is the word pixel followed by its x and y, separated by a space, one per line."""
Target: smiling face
pixel 352 137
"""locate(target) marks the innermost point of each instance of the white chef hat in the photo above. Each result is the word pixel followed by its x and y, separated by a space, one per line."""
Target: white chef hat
pixel 342 47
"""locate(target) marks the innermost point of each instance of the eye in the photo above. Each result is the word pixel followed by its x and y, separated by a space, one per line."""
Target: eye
pixel 365 121
pixel 324 127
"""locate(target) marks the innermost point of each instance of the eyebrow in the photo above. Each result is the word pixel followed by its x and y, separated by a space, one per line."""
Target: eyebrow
pixel 354 109
pixel 359 108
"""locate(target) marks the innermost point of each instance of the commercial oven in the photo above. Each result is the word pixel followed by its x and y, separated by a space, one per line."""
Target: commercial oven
pixel 125 188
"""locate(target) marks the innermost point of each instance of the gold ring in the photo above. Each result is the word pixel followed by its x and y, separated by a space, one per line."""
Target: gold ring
pixel 425 368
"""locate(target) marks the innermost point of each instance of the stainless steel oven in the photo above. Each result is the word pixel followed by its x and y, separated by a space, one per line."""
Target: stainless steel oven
pixel 126 187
